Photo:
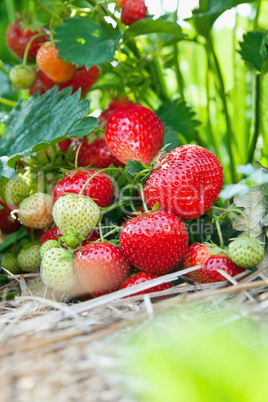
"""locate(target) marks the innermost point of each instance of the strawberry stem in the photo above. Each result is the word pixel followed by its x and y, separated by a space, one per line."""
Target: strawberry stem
pixel 8 102
pixel 25 56
pixel 77 154
pixel 100 231
pixel 226 212
pixel 95 174
pixel 143 198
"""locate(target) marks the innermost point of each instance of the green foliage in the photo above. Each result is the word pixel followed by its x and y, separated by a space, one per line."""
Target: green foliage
pixel 251 48
pixel 86 42
pixel 43 121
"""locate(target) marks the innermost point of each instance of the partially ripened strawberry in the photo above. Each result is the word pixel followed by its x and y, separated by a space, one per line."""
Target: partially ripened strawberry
pixel 83 79
pixel 18 36
pixel 100 188
pixel 8 223
pixel 142 277
pixel 54 67
pixel 132 11
pixel 187 182
pixel 22 77
pixel 115 103
pixel 199 254
pixel 154 242
pixel 36 211
pixel 134 133
pixel 29 258
pixel 52 233
pixel 96 154
pixel 101 268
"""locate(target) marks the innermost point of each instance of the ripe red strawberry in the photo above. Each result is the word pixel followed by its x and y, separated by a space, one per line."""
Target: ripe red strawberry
pixel 8 223
pixel 83 79
pixel 96 154
pixel 17 38
pixel 134 133
pixel 100 188
pixel 43 83
pixel 198 254
pixel 55 68
pixel 132 11
pixel 154 242
pixel 101 268
pixel 187 182
pixel 142 277
pixel 52 233
pixel 114 104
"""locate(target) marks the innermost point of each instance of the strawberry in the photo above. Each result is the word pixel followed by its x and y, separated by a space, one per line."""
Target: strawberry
pixel 100 188
pixel 115 104
pixel 47 246
pixel 29 258
pixel 134 133
pixel 43 83
pixel 132 11
pixel 83 79
pixel 246 252
pixel 75 213
pixel 187 182
pixel 96 154
pixel 14 191
pixel 154 242
pixel 22 76
pixel 8 223
pixel 10 263
pixel 72 142
pixel 57 269
pixel 17 38
pixel 36 211
pixel 52 233
pixel 199 254
pixel 56 69
pixel 101 268
pixel 142 277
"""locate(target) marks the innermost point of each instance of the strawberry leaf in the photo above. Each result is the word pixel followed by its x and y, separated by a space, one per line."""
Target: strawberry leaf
pixel 134 167
pixel 149 26
pixel 179 118
pixel 86 42
pixel 43 121
pixel 251 48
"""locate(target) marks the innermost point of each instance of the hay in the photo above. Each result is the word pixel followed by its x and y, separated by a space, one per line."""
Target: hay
pixel 55 349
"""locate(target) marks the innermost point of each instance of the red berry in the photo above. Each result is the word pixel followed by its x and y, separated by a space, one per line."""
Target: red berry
pixel 73 142
pixel 198 254
pixel 96 154
pixel 101 268
pixel 18 37
pixel 132 11
pixel 8 224
pixel 142 277
pixel 115 104
pixel 134 133
pixel 52 233
pixel 43 82
pixel 187 182
pixel 154 242
pixel 83 79
pixel 100 188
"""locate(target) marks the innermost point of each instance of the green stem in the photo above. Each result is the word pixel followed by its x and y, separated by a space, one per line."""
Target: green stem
pixel 179 76
pixel 25 56
pixel 100 231
pixel 229 133
pixel 256 19
pixel 161 84
pixel 8 102
pixel 95 174
pixel 143 198
pixel 253 144
pixel 218 226
pixel 114 206
pixel 77 154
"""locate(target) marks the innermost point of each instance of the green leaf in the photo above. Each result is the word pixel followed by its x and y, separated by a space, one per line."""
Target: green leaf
pixel 171 138
pixel 43 121
pixel 180 118
pixel 85 42
pixel 150 26
pixel 134 167
pixel 264 47
pixel 250 48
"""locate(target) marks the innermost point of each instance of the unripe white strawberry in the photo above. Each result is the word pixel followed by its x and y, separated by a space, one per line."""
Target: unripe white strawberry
pixel 57 269
pixel 29 258
pixel 47 246
pixel 74 213
pixel 10 262
pixel 246 252
pixel 36 211
pixel 22 76
pixel 14 191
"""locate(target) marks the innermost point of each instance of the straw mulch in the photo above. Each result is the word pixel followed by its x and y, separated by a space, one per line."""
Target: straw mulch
pixel 55 349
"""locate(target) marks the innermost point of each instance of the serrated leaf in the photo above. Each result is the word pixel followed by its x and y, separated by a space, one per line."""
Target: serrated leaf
pixel 171 138
pixel 86 42
pixel 259 166
pixel 264 47
pixel 180 118
pixel 41 121
pixel 134 167
pixel 250 48
pixel 149 26
pixel 254 208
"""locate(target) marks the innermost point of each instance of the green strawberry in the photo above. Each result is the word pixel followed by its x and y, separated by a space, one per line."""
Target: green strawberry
pixel 36 211
pixel 14 191
pixel 74 213
pixel 10 262
pixel 22 76
pixel 57 269
pixel 47 246
pixel 246 252
pixel 29 258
